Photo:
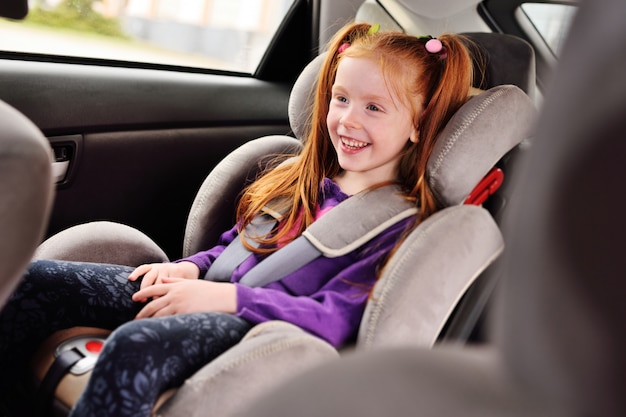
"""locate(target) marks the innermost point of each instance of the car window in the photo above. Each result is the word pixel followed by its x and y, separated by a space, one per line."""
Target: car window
pixel 552 22
pixel 229 35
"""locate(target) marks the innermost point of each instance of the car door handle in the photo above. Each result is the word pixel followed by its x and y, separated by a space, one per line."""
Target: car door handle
pixel 65 150
pixel 59 170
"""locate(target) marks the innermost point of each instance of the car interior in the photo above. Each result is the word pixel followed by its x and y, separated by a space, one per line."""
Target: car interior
pixel 153 134
pixel 457 166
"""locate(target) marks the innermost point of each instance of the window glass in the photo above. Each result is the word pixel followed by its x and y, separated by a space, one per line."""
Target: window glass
pixel 218 34
pixel 552 21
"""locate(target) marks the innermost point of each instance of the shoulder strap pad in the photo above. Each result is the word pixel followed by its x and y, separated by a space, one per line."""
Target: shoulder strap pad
pixel 346 227
pixel 357 220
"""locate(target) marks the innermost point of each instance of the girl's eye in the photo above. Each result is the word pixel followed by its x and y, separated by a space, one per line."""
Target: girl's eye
pixel 342 99
pixel 373 107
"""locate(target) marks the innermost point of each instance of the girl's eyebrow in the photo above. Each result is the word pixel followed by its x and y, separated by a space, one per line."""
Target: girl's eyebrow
pixel 367 97
pixel 336 87
pixel 378 98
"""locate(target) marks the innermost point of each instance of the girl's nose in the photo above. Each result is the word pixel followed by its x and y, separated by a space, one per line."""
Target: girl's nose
pixel 349 119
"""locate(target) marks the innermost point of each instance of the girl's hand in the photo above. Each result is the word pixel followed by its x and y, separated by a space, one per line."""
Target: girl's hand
pixel 154 273
pixel 180 296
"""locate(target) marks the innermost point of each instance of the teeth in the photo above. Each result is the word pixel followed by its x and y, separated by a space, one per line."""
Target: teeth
pixel 353 143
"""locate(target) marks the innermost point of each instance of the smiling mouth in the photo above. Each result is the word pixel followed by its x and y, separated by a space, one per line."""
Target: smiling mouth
pixel 353 144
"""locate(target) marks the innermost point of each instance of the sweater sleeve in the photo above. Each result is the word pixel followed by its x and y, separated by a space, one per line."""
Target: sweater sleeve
pixel 333 311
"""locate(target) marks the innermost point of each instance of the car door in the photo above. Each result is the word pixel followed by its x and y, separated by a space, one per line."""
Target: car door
pixel 133 141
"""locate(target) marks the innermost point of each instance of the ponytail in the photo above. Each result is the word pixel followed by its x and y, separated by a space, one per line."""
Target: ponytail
pixel 449 91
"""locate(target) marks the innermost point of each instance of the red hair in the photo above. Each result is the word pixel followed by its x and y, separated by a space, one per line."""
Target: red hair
pixel 433 86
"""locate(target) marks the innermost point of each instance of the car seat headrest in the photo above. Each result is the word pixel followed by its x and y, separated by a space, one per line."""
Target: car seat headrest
pixel 481 132
pixel 301 98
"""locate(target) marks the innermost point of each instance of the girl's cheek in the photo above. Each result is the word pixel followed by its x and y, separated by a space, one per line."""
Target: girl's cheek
pixel 331 120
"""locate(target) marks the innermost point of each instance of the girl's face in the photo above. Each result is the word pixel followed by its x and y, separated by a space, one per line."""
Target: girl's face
pixel 369 124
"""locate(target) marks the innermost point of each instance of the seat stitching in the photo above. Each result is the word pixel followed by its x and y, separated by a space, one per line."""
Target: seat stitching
pixel 465 122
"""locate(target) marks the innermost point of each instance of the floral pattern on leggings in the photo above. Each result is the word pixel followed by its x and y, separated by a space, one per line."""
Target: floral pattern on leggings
pixel 143 358
pixel 140 359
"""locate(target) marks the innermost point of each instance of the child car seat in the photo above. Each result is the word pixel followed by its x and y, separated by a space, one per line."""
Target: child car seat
pixel 558 338
pixel 485 129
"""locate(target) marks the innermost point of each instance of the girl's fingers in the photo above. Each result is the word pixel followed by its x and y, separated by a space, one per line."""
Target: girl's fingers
pixel 162 300
pixel 156 290
pixel 139 271
pixel 151 308
pixel 152 291
pixel 171 280
pixel 149 278
pixel 168 310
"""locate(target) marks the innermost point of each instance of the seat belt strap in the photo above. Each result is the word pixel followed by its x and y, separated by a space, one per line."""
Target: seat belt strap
pixel 294 255
pixel 235 253
pixel 346 227
pixel 59 368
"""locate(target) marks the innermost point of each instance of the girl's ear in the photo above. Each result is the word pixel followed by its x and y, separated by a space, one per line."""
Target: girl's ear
pixel 414 135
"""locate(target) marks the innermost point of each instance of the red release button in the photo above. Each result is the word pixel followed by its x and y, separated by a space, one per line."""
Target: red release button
pixel 94 346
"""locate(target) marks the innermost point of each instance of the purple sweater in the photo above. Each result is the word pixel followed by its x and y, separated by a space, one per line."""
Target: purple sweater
pixel 326 297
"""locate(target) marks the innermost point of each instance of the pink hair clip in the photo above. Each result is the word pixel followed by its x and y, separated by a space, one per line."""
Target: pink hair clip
pixel 343 47
pixel 434 46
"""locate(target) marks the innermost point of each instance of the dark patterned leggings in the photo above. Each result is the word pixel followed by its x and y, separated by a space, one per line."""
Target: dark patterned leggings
pixel 141 358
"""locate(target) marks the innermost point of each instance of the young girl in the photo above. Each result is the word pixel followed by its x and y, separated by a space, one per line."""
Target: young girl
pixel 381 100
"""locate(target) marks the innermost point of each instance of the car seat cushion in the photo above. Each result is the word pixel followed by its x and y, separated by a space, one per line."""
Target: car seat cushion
pixel 270 354
pixel 409 305
pixel 212 210
pixel 102 242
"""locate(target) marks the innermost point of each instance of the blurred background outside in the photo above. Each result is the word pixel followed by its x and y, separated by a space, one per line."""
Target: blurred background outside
pixel 219 34
pixel 227 35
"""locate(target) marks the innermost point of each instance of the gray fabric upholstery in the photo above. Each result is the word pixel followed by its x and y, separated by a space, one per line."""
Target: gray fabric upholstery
pixel 558 336
pixel 26 194
pixel 428 274
pixel 301 98
pixel 436 11
pixel 105 242
pixel 401 382
pixel 478 135
pixel 213 209
pixel 269 354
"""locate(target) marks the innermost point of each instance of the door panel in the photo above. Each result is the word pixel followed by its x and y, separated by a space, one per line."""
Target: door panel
pixel 64 98
pixel 139 141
